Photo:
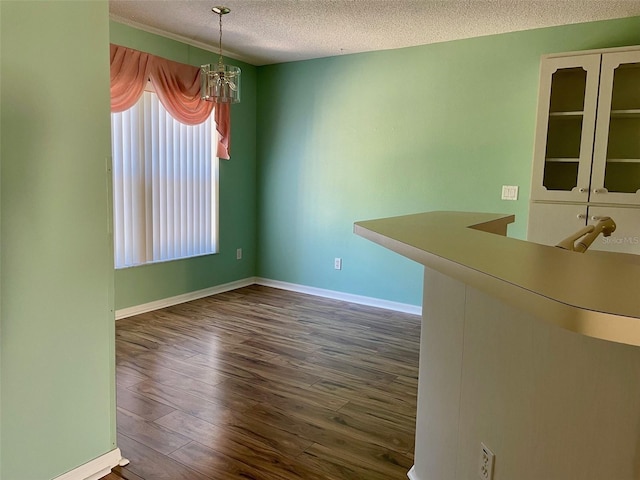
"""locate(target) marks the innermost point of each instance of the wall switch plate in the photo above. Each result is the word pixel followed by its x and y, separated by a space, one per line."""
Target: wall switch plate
pixel 487 458
pixel 337 263
pixel 509 192
pixel 239 254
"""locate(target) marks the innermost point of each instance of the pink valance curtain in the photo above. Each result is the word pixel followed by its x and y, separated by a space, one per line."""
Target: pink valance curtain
pixel 176 84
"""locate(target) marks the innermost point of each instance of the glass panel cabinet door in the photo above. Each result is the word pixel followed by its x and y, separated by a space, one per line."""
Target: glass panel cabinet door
pixel 616 163
pixel 563 150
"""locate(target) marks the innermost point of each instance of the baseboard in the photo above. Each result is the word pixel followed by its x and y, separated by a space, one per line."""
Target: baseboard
pixel 319 292
pixel 95 469
pixel 346 297
pixel 412 474
pixel 186 297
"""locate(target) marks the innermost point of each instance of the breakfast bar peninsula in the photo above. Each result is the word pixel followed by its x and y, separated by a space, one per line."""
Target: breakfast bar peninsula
pixel 526 350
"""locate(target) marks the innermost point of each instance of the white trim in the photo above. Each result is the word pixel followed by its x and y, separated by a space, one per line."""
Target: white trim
pixel 95 469
pixel 185 297
pixel 412 474
pixel 318 292
pixel 176 37
pixel 347 297
pixel 627 48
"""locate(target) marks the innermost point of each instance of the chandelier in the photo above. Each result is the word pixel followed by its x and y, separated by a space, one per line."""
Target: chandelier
pixel 220 83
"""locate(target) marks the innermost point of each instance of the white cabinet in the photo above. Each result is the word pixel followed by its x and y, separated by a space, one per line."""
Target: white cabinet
pixel 551 222
pixel 626 238
pixel 565 129
pixel 587 147
pixel 615 176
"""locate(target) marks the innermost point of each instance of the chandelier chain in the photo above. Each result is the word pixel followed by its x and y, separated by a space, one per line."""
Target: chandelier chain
pixel 220 39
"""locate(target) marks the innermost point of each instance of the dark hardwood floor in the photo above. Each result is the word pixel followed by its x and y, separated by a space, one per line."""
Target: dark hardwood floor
pixel 260 383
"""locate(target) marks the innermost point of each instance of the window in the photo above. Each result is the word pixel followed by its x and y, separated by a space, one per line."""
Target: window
pixel 165 185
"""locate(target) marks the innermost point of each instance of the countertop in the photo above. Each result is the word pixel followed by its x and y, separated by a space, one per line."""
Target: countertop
pixel 590 293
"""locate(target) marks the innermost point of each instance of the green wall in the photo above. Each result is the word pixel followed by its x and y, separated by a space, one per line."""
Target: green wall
pixel 0 243
pixel 356 137
pixel 340 139
pixel 57 345
pixel 237 221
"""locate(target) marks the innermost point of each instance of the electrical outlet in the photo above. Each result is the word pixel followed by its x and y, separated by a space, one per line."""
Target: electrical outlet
pixel 487 458
pixel 239 254
pixel 337 263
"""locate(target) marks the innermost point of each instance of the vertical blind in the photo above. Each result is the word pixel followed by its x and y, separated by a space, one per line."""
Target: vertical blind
pixel 164 185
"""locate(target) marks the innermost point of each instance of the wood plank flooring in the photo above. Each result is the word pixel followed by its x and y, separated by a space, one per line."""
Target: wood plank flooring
pixel 266 384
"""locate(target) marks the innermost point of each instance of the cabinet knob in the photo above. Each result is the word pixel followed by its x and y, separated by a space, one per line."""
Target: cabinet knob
pixel 582 190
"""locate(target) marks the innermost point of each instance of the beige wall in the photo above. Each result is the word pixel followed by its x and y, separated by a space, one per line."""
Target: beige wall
pixel 550 404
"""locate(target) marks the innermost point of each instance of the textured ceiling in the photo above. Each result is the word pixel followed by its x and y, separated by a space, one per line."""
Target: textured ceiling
pixel 262 32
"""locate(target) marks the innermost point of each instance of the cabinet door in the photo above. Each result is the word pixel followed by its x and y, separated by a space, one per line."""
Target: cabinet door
pixel 550 223
pixel 616 161
pixel 563 149
pixel 626 238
